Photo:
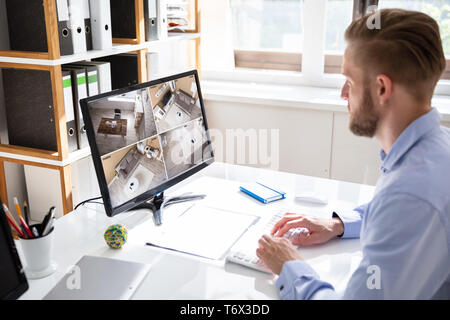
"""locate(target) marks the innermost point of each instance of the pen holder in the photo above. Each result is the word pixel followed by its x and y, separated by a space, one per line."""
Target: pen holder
pixel 38 256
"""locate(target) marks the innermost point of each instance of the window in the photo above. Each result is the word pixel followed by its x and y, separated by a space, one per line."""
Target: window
pixel 295 35
pixel 267 34
pixel 339 16
pixel 337 19
pixel 438 10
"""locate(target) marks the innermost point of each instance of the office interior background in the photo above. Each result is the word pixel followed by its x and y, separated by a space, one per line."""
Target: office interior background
pixel 270 78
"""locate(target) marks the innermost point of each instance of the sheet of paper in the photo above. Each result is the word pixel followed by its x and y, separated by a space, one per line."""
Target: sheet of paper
pixel 204 231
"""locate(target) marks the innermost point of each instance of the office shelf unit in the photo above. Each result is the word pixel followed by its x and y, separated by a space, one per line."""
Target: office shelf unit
pixel 52 62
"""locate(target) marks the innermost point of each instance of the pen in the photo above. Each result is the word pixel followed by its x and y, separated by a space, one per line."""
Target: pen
pixel 12 222
pixel 49 224
pixel 48 227
pixel 22 222
pixel 25 212
pixel 35 232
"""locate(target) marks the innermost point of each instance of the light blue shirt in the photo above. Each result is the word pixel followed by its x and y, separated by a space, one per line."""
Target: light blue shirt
pixel 404 229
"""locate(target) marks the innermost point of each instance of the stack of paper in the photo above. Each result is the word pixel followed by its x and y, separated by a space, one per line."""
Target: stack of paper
pixel 202 231
pixel 177 15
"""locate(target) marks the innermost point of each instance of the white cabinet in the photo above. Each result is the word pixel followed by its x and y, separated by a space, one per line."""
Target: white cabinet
pixel 354 159
pixel 281 138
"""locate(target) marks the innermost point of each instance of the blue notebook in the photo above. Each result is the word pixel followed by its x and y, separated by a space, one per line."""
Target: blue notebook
pixel 262 192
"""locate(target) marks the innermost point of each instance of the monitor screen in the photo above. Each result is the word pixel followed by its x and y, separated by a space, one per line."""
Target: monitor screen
pixel 13 282
pixel 146 138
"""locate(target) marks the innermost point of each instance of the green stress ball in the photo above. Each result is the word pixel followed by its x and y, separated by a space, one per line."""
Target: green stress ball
pixel 116 236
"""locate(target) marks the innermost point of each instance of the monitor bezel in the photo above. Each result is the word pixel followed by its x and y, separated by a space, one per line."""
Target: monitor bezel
pixel 22 287
pixel 96 157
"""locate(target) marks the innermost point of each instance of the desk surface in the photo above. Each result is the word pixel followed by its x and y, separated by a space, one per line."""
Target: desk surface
pixel 176 275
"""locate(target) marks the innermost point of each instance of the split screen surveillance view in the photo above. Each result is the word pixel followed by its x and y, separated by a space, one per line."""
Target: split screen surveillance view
pixel 148 136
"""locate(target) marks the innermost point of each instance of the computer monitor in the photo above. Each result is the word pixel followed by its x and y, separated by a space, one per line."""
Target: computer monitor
pixel 13 282
pixel 145 138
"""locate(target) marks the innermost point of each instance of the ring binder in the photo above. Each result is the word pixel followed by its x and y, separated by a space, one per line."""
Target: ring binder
pixel 77 26
pixel 70 111
pixel 87 23
pixel 101 24
pixel 123 69
pixel 29 108
pixel 123 19
pixel 103 72
pixel 151 20
pixel 162 19
pixel 64 32
pixel 79 91
pixel 26 25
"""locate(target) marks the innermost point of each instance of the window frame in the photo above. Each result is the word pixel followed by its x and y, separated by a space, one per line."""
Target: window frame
pixel 268 60
pixel 315 61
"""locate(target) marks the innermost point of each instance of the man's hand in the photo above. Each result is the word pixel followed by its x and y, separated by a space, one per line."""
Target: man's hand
pixel 274 252
pixel 320 230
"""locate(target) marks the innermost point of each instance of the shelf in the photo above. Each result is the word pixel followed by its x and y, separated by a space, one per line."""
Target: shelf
pixel 51 62
pixel 92 54
pixel 24 159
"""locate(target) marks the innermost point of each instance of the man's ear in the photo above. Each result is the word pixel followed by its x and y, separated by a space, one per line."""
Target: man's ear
pixel 383 88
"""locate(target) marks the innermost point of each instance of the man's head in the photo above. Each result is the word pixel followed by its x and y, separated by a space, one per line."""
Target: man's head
pixel 404 55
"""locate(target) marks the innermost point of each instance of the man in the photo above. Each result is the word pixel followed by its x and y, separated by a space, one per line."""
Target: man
pixel 391 73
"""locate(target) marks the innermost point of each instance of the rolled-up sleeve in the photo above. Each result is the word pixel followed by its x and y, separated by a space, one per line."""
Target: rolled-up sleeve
pixel 352 221
pixel 298 281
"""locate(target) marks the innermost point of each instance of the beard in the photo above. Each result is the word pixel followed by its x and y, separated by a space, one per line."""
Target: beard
pixel 364 120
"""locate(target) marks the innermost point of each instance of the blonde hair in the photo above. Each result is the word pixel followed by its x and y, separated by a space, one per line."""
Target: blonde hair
pixel 407 48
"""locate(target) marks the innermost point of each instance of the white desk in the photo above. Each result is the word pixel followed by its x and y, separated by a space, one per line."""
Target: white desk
pixel 176 275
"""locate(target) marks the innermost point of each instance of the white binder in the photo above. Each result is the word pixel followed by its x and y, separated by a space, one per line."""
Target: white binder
pixel 82 93
pixel 104 74
pixel 92 80
pixel 162 19
pixel 152 65
pixel 79 91
pixel 101 24
pixel 77 26
pixel 151 20
pixel 70 112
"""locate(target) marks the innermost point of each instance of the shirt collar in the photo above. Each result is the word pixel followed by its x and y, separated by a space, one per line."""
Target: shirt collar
pixel 416 130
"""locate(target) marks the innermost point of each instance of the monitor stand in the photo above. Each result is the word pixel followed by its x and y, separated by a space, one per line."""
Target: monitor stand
pixel 159 201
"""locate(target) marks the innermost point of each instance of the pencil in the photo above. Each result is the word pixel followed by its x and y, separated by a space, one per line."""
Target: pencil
pixel 22 222
pixel 8 213
pixel 27 229
pixel 12 222
pixel 17 207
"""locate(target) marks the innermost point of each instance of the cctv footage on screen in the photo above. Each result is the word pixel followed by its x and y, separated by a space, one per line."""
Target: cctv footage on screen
pixel 148 136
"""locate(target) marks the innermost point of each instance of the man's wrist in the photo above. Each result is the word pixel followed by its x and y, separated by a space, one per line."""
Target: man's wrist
pixel 338 226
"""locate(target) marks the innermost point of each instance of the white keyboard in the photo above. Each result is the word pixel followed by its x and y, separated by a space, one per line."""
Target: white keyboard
pixel 244 251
